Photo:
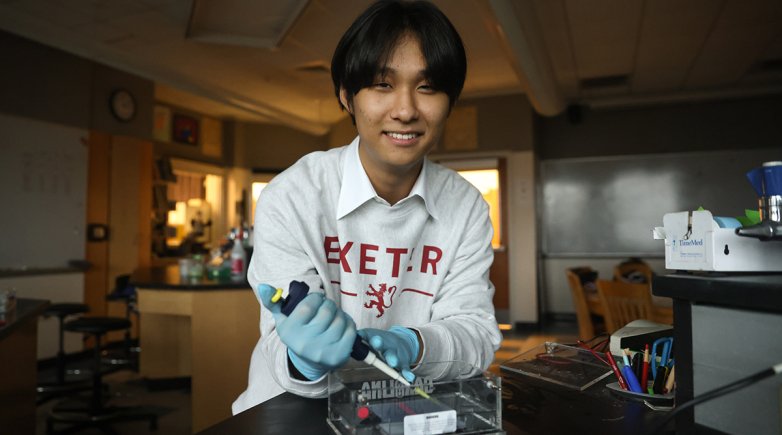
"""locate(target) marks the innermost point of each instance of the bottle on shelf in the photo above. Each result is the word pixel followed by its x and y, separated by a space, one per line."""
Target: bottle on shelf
pixel 238 257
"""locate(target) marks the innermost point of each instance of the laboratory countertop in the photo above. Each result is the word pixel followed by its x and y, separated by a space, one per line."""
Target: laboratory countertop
pixel 168 278
pixel 755 291
pixel 37 271
pixel 527 408
pixel 25 309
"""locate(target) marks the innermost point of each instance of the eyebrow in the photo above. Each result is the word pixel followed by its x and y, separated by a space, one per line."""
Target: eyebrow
pixel 387 70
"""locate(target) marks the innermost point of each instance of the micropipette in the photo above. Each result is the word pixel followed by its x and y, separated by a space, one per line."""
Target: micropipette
pixel 361 351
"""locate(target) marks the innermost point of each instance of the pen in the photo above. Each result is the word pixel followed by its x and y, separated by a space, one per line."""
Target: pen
pixel 666 353
pixel 637 363
pixel 670 381
pixel 630 378
pixel 618 375
pixel 659 381
pixel 645 370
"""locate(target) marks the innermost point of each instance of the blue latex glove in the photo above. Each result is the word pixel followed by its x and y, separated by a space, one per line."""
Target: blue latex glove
pixel 319 335
pixel 398 346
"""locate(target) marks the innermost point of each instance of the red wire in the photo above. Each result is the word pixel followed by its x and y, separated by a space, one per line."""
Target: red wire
pixel 597 355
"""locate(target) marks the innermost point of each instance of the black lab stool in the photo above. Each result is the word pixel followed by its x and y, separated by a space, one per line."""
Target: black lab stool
pixel 97 413
pixel 128 355
pixel 62 385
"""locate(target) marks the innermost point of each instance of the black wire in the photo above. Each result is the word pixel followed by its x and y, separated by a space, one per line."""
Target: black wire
pixel 713 394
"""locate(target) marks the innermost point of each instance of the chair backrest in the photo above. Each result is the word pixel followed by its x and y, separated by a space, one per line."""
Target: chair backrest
pixel 624 302
pixel 586 329
pixel 576 289
pixel 632 270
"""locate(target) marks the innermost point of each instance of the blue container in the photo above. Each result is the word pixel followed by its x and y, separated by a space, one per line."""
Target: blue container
pixel 767 179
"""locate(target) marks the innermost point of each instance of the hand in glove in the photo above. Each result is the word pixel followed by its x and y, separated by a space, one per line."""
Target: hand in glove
pixel 398 346
pixel 319 335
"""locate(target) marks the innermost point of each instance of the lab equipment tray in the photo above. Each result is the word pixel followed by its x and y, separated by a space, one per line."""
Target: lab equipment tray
pixel 564 365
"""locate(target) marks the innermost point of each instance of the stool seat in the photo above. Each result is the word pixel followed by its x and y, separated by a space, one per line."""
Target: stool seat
pixel 97 325
pixel 66 309
pixel 117 296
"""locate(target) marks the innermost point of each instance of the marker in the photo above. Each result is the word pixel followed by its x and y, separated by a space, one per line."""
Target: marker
pixel 627 370
pixel 645 370
pixel 618 375
pixel 670 381
pixel 659 381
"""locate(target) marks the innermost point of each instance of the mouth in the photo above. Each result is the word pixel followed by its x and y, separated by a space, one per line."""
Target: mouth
pixel 402 136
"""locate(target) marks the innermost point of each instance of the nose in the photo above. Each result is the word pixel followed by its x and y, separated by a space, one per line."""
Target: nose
pixel 405 107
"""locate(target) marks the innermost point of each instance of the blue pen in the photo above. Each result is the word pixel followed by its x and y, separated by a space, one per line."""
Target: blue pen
pixel 627 371
pixel 666 344
pixel 666 351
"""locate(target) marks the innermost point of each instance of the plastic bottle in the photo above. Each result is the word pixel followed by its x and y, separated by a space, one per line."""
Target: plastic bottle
pixel 238 257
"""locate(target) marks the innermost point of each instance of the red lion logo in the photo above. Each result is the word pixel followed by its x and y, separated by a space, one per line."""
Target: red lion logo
pixel 380 301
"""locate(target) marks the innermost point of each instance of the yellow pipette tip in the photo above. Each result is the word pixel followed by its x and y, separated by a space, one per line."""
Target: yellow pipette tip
pixel 421 393
pixel 277 296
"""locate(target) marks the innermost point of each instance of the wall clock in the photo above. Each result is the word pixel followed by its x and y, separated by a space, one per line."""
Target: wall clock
pixel 123 105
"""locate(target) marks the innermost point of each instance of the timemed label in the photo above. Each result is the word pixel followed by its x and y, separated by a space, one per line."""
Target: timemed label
pixel 431 423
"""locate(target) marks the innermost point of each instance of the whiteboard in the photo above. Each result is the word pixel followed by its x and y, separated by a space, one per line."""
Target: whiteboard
pixel 608 206
pixel 43 186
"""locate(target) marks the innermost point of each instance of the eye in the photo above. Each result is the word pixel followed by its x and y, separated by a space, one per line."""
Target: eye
pixel 381 85
pixel 426 88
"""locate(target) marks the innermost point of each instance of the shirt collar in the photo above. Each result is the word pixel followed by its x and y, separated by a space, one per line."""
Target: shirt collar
pixel 356 188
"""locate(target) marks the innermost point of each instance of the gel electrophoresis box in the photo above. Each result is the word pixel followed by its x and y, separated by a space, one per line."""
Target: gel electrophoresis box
pixel 364 400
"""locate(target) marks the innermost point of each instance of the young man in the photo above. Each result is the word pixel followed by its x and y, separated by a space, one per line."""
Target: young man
pixel 393 247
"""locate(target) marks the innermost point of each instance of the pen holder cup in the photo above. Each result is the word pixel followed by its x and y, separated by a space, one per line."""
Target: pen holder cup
pixel 363 400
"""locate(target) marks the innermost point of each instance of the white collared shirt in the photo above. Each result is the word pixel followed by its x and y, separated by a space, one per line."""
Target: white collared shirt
pixel 356 189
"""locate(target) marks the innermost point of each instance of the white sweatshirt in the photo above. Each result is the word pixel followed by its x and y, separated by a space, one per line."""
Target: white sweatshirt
pixel 422 263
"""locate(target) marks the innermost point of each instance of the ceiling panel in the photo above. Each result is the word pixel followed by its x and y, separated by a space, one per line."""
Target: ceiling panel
pixel 604 35
pixel 663 46
pixel 316 32
pixel 741 35
pixel 672 35
pixel 553 21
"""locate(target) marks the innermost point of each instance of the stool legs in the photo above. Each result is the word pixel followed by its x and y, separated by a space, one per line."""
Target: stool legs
pixel 96 401
pixel 97 412
pixel 60 386
pixel 61 353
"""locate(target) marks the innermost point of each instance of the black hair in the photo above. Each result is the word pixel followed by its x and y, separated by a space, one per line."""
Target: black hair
pixel 367 44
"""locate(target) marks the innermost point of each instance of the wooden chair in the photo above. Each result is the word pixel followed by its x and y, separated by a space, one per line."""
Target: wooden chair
pixel 587 303
pixel 624 269
pixel 624 302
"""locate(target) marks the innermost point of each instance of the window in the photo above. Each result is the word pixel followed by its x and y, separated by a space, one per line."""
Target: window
pixel 487 181
pixel 486 175
pixel 259 182
pixel 257 188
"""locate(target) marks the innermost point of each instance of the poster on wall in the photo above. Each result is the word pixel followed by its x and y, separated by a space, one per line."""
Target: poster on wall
pixel 185 129
pixel 161 129
pixel 461 130
pixel 211 137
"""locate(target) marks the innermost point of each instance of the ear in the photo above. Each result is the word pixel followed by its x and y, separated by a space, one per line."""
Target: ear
pixel 343 98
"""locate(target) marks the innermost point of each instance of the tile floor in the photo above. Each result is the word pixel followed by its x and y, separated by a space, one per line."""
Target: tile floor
pixel 173 406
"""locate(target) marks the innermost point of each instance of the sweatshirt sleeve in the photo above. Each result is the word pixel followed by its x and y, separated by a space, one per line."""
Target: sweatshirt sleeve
pixel 463 326
pixel 279 258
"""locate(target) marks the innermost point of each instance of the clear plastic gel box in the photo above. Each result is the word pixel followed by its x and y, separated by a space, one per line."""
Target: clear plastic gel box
pixel 363 400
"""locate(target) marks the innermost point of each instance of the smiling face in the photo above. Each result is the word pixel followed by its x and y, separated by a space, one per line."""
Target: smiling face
pixel 399 118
